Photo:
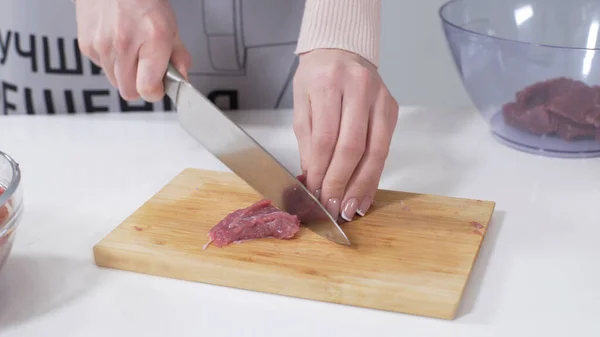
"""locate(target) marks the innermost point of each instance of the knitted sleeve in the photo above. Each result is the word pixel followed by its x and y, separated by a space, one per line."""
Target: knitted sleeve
pixel 351 25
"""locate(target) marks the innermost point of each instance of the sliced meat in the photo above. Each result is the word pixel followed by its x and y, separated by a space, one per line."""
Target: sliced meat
pixel 593 116
pixel 534 95
pixel 300 204
pixel 540 93
pixel 535 119
pixel 295 201
pixel 260 220
pixel 560 106
pixel 576 104
pixel 570 130
pixel 562 84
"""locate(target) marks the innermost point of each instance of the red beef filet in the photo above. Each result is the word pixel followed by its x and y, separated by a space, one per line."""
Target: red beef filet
pixel 298 203
pixel 260 220
pixel 562 106
pixel 576 104
pixel 536 119
pixel 570 130
pixel 594 116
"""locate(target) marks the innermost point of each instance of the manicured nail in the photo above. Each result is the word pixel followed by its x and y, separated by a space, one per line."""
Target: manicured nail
pixel 349 209
pixel 318 194
pixel 333 207
pixel 364 206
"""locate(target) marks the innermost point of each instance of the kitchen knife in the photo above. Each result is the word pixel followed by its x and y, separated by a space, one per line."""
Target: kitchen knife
pixel 246 158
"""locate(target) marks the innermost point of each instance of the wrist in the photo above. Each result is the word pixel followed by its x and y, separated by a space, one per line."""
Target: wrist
pixel 351 25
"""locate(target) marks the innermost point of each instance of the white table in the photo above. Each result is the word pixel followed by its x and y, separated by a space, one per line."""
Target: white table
pixel 538 273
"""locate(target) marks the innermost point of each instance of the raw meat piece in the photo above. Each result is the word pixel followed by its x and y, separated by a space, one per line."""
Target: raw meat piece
pixel 536 119
pixel 542 92
pixel 298 203
pixel 570 130
pixel 593 117
pixel 260 220
pixel 561 85
pixel 576 104
pixel 302 178
pixel 562 106
pixel 534 95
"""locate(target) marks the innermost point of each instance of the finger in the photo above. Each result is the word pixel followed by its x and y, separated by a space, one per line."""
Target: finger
pixel 85 34
pixel 350 146
pixel 107 62
pixel 365 181
pixel 302 125
pixel 181 58
pixel 87 49
pixel 94 57
pixel 325 107
pixel 126 72
pixel 103 48
pixel 153 60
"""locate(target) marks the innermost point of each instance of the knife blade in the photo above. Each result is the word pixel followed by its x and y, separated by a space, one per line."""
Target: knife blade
pixel 245 157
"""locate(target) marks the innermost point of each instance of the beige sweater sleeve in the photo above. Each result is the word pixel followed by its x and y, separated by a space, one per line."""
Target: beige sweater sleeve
pixel 351 25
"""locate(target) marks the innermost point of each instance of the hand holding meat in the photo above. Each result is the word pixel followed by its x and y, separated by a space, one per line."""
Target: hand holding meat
pixel 344 118
pixel 133 42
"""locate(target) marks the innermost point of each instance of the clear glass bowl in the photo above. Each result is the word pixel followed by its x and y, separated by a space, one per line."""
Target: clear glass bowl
pixel 532 69
pixel 11 204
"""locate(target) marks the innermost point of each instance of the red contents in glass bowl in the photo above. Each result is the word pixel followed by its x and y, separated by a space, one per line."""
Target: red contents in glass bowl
pixel 560 106
pixel 4 240
pixel 3 212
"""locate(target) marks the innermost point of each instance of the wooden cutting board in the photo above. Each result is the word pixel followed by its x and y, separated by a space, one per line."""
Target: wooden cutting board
pixel 412 253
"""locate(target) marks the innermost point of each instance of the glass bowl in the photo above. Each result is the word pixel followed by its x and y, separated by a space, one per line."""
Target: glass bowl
pixel 532 69
pixel 11 204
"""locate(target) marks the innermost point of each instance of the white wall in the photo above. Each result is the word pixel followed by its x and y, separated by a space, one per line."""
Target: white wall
pixel 415 62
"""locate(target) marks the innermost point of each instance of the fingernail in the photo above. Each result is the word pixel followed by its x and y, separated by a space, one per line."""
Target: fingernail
pixel 364 206
pixel 349 209
pixel 333 207
pixel 318 194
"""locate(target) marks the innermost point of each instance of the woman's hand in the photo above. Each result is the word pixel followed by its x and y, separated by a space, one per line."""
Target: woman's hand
pixel 344 119
pixel 133 41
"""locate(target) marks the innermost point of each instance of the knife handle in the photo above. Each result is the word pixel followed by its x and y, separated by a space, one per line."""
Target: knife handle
pixel 172 81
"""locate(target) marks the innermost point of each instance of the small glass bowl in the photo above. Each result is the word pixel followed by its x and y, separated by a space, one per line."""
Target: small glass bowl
pixel 532 69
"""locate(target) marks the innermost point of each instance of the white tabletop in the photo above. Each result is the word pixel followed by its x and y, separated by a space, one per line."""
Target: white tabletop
pixel 538 272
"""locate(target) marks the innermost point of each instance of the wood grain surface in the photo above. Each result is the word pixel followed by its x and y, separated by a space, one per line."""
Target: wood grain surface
pixel 412 253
